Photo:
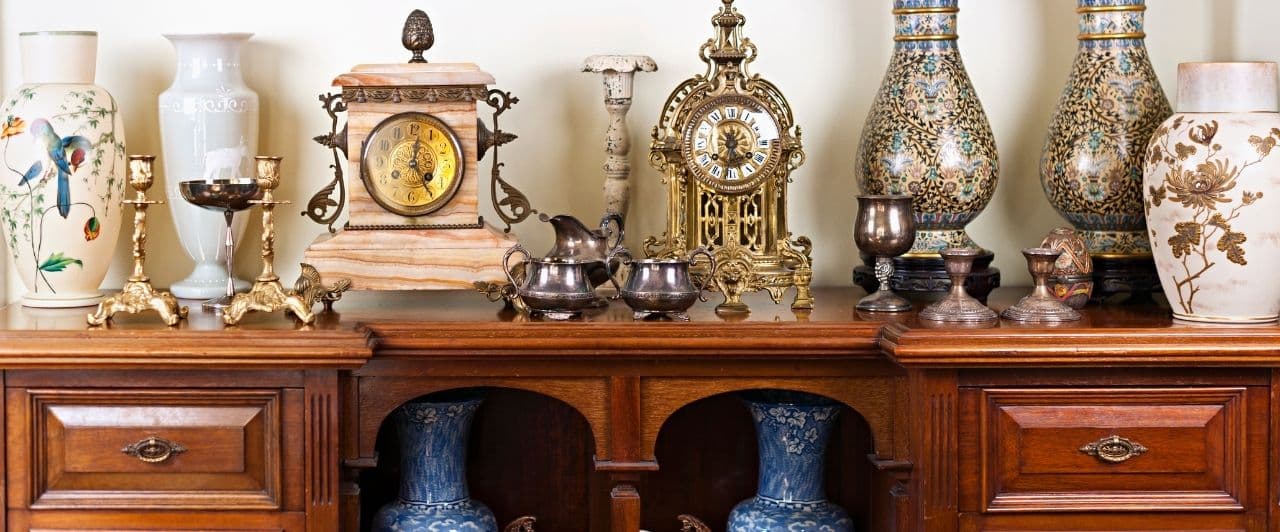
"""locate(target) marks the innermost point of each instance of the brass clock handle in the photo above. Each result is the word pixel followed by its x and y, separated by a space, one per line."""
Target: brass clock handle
pixel 711 273
pixel 506 263
pixel 1114 449
pixel 153 450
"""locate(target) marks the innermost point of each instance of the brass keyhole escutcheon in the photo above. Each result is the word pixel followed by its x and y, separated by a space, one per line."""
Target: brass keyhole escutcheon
pixel 153 450
pixel 1114 449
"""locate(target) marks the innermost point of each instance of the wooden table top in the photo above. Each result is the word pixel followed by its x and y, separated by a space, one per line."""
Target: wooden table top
pixel 462 324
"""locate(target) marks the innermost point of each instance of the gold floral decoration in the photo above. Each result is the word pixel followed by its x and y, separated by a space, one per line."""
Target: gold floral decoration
pixel 1202 190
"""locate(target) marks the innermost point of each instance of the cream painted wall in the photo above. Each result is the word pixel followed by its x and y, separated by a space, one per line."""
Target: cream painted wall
pixel 827 55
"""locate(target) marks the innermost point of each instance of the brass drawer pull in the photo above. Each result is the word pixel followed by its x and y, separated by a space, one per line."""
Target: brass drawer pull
pixel 1113 449
pixel 154 450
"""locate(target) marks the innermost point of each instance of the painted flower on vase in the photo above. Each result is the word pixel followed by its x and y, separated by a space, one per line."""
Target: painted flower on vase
pixel 63 151
pixel 1200 179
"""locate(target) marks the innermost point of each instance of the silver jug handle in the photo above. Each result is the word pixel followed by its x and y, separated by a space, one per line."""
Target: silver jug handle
pixel 612 220
pixel 711 273
pixel 506 263
pixel 613 274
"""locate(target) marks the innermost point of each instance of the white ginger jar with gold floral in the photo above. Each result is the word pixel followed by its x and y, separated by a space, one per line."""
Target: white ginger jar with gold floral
pixel 1212 191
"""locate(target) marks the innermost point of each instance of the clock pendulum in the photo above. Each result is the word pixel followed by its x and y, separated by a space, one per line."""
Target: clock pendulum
pixel 727 145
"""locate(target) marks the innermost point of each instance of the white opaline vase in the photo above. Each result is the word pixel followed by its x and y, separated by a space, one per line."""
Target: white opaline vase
pixel 1212 188
pixel 209 130
pixel 62 141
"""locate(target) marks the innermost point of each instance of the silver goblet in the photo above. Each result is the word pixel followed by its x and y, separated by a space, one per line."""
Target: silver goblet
pixel 227 196
pixel 886 228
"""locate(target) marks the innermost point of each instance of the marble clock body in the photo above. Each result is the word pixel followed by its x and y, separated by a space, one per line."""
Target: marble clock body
pixel 420 230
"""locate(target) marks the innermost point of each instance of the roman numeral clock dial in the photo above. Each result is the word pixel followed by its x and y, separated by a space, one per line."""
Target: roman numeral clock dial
pixel 733 143
pixel 412 164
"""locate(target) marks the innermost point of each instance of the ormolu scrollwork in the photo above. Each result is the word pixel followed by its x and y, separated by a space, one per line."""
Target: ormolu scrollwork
pixel 325 207
pixel 726 144
pixel 514 207
pixel 413 94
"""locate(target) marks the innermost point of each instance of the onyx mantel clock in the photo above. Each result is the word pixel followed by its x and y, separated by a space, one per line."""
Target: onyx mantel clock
pixel 411 147
pixel 726 144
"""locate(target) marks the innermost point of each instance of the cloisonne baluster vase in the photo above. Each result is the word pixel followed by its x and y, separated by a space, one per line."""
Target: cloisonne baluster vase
pixel 792 430
pixel 928 136
pixel 1091 169
pixel 433 475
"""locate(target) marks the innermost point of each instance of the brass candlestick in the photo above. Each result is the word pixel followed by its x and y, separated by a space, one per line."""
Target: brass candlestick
pixel 138 295
pixel 267 295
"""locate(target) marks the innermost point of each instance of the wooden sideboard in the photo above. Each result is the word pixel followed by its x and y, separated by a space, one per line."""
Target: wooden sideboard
pixel 1125 421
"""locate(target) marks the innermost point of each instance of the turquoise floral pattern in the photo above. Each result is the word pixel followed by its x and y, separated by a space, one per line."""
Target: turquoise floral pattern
pixel 927 134
pixel 1091 168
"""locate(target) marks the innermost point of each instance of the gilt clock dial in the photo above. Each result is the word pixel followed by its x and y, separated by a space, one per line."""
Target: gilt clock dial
pixel 412 164
pixel 732 143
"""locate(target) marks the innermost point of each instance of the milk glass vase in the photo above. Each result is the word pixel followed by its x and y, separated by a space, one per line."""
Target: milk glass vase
pixel 1091 168
pixel 62 141
pixel 209 130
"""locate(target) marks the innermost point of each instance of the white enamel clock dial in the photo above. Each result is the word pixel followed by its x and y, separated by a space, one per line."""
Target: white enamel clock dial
pixel 731 144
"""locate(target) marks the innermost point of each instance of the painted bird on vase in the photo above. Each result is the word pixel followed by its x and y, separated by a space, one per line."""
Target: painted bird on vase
pixel 66 155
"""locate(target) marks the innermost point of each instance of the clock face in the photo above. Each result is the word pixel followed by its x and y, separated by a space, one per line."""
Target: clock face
pixel 412 164
pixel 731 144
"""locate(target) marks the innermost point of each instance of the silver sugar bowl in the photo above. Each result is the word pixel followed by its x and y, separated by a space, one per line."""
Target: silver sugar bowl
pixel 555 288
pixel 661 287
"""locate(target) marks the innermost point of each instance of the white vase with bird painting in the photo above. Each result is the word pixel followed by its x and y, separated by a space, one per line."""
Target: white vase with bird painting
pixel 62 141
pixel 209 130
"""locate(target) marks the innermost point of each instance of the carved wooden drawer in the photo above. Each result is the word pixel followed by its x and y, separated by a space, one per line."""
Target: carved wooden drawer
pixel 1132 449
pixel 102 449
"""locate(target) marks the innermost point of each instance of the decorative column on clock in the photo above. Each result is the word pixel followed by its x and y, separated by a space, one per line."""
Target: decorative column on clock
pixel 619 75
pixel 927 136
pixel 1092 164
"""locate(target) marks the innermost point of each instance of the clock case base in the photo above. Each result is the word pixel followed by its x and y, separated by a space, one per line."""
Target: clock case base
pixel 412 259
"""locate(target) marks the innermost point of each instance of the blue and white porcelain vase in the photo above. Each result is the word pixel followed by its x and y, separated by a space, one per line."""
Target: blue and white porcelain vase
pixel 433 472
pixel 927 135
pixel 792 430
pixel 1093 158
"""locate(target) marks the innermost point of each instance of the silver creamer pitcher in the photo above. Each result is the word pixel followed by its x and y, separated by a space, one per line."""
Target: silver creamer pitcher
pixel 556 288
pixel 661 287
pixel 574 241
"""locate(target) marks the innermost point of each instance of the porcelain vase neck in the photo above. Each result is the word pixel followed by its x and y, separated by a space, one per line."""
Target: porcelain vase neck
pixel 59 57
pixel 792 437
pixel 1104 22
pixel 923 23
pixel 433 440
pixel 209 57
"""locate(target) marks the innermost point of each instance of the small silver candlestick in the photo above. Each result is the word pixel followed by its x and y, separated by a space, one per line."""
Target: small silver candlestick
pixel 958 306
pixel 1041 306
pixel 885 228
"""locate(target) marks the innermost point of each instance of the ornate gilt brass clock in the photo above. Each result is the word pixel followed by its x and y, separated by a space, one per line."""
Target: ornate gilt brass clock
pixel 412 164
pixel 411 189
pixel 727 144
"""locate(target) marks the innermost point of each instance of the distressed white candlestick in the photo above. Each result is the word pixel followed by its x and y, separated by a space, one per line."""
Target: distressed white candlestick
pixel 619 74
